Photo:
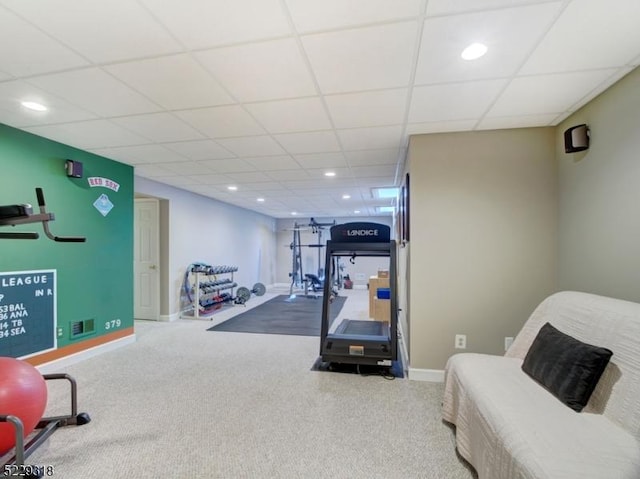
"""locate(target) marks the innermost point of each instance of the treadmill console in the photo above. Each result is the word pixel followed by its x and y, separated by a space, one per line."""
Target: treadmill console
pixel 361 232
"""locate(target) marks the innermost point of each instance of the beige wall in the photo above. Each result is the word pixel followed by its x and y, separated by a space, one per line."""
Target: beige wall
pixel 599 208
pixel 483 238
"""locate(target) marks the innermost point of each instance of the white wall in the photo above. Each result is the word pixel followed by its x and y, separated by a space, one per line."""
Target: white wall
pixel 599 235
pixel 201 229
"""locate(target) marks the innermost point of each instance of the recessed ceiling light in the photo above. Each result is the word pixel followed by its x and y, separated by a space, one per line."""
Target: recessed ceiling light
pixel 294 213
pixel 32 105
pixel 385 209
pixel 330 173
pixel 357 212
pixel 474 51
pixel 232 188
pixel 346 197
pixel 260 200
pixel 389 192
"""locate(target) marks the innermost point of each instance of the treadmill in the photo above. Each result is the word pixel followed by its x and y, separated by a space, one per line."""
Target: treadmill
pixel 367 341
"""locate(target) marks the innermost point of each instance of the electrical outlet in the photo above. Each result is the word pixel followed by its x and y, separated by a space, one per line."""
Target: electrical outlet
pixel 461 341
pixel 507 342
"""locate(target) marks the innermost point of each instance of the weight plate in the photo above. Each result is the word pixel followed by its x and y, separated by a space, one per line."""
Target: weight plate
pixel 243 294
pixel 259 289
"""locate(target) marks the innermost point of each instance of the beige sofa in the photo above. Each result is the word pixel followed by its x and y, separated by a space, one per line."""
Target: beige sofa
pixel 508 426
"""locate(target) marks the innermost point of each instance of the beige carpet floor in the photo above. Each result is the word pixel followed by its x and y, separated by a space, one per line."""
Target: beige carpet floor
pixel 183 402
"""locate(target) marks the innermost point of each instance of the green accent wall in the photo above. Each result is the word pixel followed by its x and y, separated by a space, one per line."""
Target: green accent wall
pixel 94 280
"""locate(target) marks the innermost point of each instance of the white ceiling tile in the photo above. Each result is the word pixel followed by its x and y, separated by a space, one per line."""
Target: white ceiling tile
pixel 181 181
pixel 342 176
pixel 89 134
pixel 321 160
pixel 613 78
pixel 101 31
pixel 222 121
pixel 362 59
pixel 448 7
pixel 230 165
pixel 282 116
pixel 199 150
pixel 153 171
pixel 199 189
pixel 441 126
pixel 546 93
pixel 581 40
pixel 252 146
pixel 304 185
pixel 256 61
pixel 174 82
pixel 215 179
pixel 509 34
pixel 249 177
pixel 455 101
pixel 189 168
pixel 140 154
pixel 159 127
pixel 372 157
pixel 207 23
pixel 12 93
pixel 372 108
pixel 384 137
pixel 264 186
pixel 25 50
pixel 289 175
pixel 388 171
pixel 503 122
pixel 96 91
pixel 311 142
pixel 273 163
pixel 261 71
pixel 330 14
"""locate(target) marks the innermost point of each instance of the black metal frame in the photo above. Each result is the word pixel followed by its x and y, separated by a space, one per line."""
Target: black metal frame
pixel 376 349
pixel 47 426
pixel 24 215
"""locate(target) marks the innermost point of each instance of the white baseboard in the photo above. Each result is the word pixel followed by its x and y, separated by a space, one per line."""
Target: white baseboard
pixel 60 364
pixel 169 317
pixel 430 375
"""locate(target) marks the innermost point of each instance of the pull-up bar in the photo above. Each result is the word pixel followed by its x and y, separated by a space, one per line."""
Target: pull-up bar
pixel 13 215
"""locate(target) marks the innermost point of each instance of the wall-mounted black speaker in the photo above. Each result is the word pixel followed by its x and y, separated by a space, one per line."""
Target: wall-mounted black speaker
pixel 73 168
pixel 576 138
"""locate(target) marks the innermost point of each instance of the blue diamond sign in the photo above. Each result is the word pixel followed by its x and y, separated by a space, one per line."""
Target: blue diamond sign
pixel 103 205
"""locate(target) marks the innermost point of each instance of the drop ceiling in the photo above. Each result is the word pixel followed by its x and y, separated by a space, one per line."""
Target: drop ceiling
pixel 269 95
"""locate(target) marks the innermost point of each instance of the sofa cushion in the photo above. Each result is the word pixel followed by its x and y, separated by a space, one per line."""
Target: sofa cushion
pixel 565 366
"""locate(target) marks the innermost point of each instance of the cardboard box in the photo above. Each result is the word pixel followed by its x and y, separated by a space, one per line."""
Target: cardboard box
pixel 374 284
pixel 381 309
pixel 383 273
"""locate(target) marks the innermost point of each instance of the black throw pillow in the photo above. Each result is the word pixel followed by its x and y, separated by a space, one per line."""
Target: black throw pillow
pixel 565 366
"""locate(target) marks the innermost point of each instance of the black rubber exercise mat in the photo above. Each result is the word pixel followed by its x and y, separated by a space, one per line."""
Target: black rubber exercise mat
pixel 299 316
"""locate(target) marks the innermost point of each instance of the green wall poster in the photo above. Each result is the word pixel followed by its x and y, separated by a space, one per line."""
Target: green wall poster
pixel 27 312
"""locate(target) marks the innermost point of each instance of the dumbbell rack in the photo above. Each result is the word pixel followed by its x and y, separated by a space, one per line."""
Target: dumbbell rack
pixel 208 294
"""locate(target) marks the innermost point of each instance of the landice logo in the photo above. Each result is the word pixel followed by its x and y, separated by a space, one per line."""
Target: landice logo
pixel 362 232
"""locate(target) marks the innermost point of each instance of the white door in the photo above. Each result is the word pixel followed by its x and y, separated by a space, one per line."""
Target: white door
pixel 146 259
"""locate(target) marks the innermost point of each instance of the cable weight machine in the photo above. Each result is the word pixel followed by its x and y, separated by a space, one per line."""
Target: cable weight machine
pixel 299 279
